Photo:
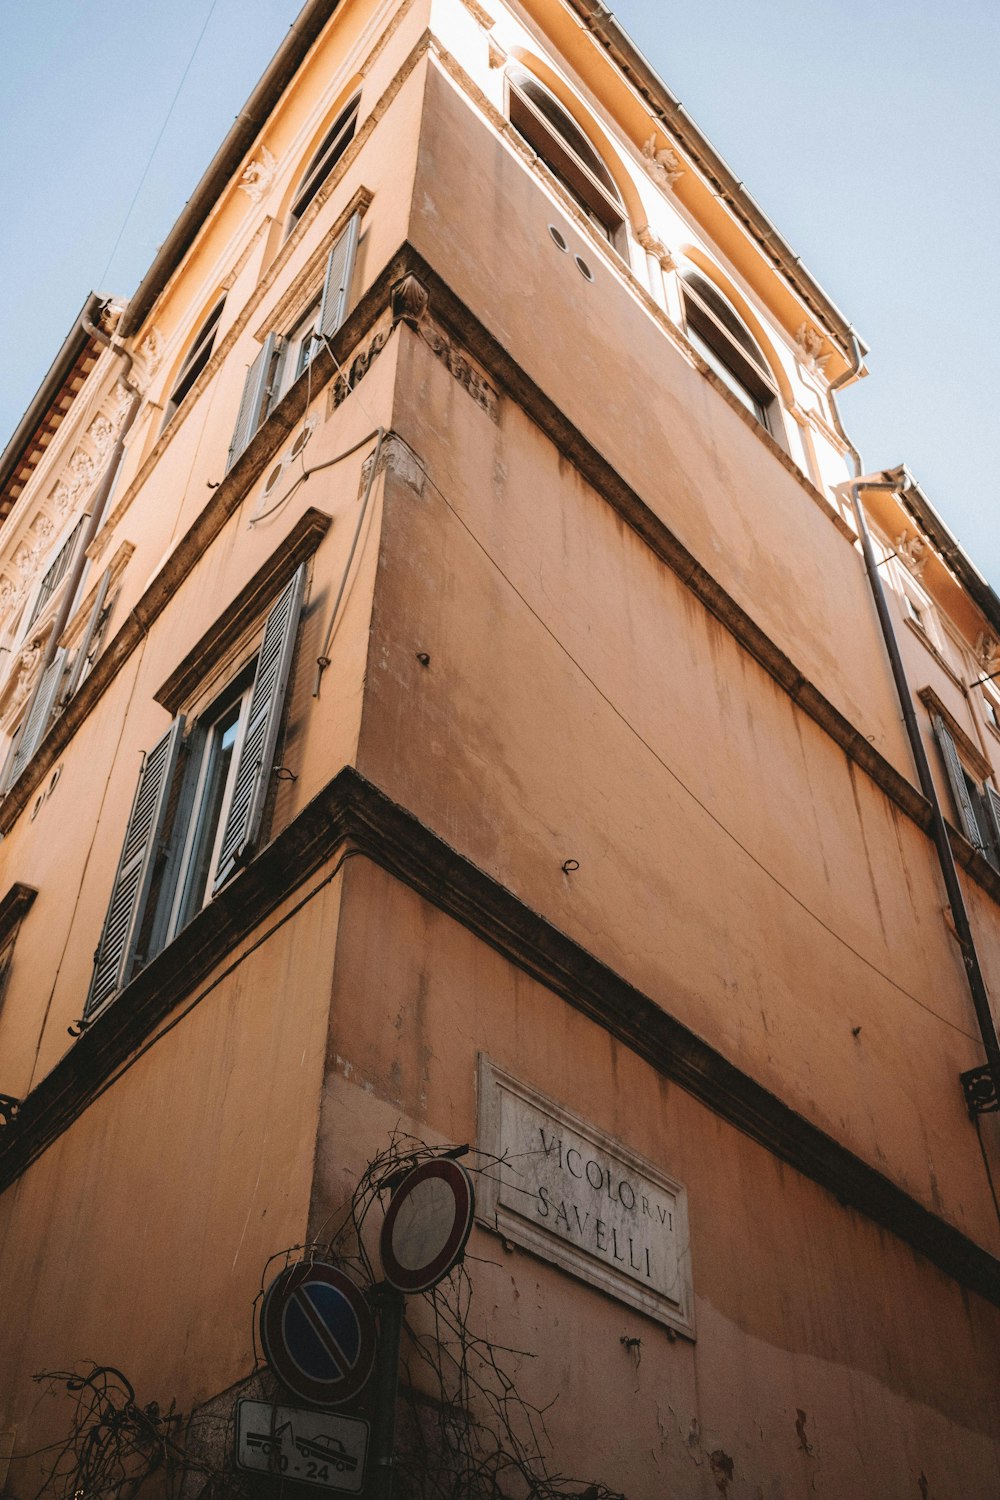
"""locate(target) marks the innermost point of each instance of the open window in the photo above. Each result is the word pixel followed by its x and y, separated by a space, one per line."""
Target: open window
pixel 325 158
pixel 727 347
pixel 198 808
pixel 554 135
pixel 195 360
pixel 283 359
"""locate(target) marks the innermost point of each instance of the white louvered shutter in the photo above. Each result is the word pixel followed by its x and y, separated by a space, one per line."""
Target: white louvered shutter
pixel 256 399
pixel 959 790
pixel 116 951
pixel 263 721
pixel 38 719
pixel 337 286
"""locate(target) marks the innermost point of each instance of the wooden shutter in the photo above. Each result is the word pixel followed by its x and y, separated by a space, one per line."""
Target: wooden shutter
pixel 337 286
pixel 250 785
pixel 959 790
pixel 256 399
pixel 39 715
pixel 115 956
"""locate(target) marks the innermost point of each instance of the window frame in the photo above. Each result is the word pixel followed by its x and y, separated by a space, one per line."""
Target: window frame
pixel 601 203
pixel 323 160
pixel 200 351
pixel 161 882
pixel 191 881
pixel 745 374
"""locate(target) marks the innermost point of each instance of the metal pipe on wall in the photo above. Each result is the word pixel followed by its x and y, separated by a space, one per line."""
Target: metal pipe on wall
pixel 942 842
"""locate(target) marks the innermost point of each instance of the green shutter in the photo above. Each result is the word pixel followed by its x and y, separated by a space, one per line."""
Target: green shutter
pixel 252 779
pixel 116 951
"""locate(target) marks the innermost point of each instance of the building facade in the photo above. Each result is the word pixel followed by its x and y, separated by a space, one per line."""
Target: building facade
pixel 444 702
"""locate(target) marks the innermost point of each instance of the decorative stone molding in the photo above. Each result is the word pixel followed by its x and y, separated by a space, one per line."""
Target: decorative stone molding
pixel 987 651
pixel 352 374
pixel 912 550
pixel 148 358
pixel 395 457
pixel 662 164
pixel 810 347
pixel 497 55
pixel 484 18
pixel 656 248
pixel 462 368
pixel 258 174
pixel 20 682
pixel 408 299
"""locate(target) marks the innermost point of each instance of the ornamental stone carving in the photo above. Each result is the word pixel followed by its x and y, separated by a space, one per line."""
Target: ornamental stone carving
pixel 257 175
pixel 662 164
pixel 810 347
pixel 987 651
pixel 26 668
pixel 656 248
pixel 148 358
pixel 912 550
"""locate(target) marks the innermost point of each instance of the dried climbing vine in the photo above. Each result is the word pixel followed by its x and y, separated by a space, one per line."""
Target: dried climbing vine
pixel 464 1429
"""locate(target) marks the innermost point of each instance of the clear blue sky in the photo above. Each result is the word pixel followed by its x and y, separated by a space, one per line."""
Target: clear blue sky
pixel 867 129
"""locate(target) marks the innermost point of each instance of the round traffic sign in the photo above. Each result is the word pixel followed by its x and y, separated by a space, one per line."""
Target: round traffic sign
pixel 317 1332
pixel 427 1225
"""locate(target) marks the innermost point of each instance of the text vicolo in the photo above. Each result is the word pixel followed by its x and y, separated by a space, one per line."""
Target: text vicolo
pixel 606 1237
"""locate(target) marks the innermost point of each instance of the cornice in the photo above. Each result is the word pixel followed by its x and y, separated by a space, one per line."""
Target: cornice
pixel 352 817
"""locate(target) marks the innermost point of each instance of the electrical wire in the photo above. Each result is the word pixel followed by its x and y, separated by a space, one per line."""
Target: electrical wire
pixel 159 138
pixel 869 963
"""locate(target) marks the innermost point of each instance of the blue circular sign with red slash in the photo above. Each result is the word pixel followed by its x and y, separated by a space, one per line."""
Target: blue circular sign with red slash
pixel 317 1333
pixel 427 1225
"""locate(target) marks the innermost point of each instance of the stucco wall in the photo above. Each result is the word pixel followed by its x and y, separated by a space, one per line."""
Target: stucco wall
pixel 810 1371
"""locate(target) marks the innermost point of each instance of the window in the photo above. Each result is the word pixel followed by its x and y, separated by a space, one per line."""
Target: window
pixel 552 133
pixel 282 360
pixel 55 573
pixel 57 684
pixel 991 710
pixel 195 361
pixel 977 805
pixel 727 347
pixel 198 808
pixel 331 149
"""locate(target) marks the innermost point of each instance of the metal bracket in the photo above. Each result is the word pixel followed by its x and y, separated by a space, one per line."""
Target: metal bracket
pixel 9 1107
pixel 982 1093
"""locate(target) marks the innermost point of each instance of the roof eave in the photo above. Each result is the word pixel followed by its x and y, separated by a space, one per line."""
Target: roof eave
pixel 602 23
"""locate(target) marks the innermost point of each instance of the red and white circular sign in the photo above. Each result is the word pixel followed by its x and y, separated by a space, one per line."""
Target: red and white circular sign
pixel 427 1225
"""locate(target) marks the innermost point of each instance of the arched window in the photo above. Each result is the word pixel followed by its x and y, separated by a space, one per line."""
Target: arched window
pixel 558 140
pixel 331 149
pixel 195 360
pixel 726 345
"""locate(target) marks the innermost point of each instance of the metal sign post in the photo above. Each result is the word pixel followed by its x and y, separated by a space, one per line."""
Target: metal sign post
pixel 389 1303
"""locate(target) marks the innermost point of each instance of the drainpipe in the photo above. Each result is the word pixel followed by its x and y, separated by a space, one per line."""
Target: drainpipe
pixel 946 858
pixel 101 494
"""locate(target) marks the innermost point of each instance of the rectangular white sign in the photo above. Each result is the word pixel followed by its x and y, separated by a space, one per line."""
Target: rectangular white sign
pixel 311 1447
pixel 577 1197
